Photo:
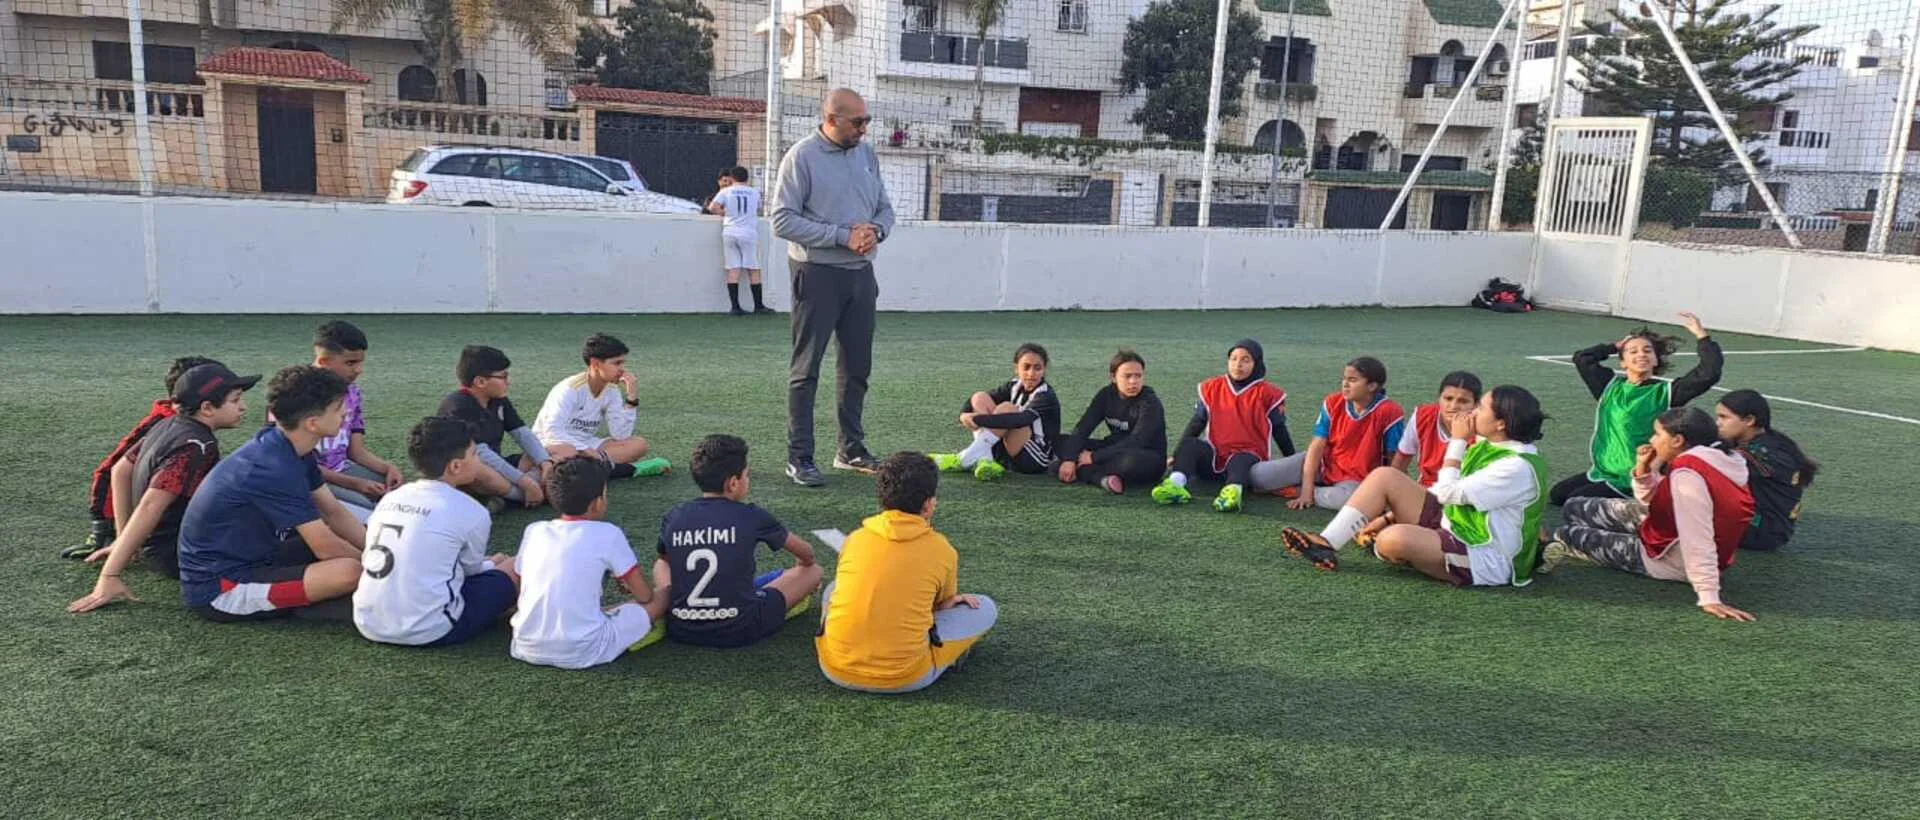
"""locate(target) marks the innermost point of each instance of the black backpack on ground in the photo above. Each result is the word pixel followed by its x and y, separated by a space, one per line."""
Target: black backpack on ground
pixel 1502 296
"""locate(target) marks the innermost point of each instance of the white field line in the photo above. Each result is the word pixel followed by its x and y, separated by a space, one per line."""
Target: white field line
pixel 834 539
pixel 1561 360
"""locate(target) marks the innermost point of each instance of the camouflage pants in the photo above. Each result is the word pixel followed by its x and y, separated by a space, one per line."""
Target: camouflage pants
pixel 1606 531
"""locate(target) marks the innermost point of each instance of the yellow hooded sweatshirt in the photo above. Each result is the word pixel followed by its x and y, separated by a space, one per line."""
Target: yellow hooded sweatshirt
pixel 892 573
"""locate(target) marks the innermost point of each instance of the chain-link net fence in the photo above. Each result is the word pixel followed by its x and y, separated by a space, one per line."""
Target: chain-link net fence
pixel 1041 111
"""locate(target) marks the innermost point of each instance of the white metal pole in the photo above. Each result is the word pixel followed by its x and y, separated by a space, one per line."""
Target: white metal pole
pixel 1466 90
pixel 1213 110
pixel 1505 161
pixel 1280 127
pixel 772 160
pixel 142 131
pixel 1556 88
pixel 1726 130
pixel 1888 205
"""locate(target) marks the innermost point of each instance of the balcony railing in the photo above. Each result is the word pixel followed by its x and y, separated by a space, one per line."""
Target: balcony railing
pixel 1295 92
pixel 460 119
pixel 1805 139
pixel 101 97
pixel 950 48
pixel 1447 91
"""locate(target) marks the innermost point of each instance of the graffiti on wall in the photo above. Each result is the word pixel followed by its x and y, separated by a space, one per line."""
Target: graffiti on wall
pixel 58 124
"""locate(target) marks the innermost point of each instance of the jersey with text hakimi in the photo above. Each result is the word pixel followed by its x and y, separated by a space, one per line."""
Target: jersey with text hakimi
pixel 708 543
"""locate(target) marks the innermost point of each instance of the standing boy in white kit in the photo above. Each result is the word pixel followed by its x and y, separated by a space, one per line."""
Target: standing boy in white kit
pixel 739 203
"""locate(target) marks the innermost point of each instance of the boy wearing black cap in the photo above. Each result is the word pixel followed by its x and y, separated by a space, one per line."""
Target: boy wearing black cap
pixel 100 501
pixel 168 465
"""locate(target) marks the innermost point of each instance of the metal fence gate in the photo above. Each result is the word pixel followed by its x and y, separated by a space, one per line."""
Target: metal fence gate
pixel 1591 183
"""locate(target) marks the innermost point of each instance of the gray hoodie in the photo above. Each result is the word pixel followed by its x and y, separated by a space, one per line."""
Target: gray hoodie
pixel 823 191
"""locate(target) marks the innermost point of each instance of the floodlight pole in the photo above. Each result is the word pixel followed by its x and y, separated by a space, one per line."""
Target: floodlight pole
pixel 770 164
pixel 1213 110
pixel 1280 128
pixel 142 127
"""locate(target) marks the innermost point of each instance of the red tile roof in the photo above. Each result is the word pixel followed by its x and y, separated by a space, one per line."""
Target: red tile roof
pixel 284 64
pixel 633 96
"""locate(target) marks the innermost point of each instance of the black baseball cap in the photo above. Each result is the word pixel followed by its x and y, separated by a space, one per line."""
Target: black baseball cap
pixel 208 382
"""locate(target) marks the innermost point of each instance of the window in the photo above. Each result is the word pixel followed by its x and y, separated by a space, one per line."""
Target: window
pixel 165 64
pixel 613 170
pixel 575 175
pixel 603 8
pixel 1526 114
pixel 1790 119
pixel 417 84
pixel 1869 62
pixel 1294 57
pixel 1073 16
pixel 460 87
pixel 922 15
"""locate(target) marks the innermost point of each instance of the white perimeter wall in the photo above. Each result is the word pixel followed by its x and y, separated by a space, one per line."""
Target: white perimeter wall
pixel 101 254
pixel 1818 296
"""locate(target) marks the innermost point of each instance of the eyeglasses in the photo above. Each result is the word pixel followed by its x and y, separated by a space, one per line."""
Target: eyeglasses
pixel 857 122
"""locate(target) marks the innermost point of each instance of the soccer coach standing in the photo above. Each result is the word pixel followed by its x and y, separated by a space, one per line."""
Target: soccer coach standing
pixel 832 209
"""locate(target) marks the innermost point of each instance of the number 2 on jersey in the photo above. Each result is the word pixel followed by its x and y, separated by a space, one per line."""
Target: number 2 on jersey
pixel 712 560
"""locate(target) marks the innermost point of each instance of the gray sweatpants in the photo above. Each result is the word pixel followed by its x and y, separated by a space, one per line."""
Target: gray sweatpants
pixel 957 624
pixel 830 302
pixel 1606 531
pixel 1286 472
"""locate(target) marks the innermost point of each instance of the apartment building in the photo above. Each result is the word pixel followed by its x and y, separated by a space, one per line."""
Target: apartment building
pixel 1360 88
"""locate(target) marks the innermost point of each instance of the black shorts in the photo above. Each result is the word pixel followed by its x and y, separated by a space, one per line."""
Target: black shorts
pixel 263 593
pixel 1021 462
pixel 755 622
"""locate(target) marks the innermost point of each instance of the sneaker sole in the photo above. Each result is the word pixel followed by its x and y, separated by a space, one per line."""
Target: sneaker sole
pixel 813 484
pixel 841 465
pixel 1299 546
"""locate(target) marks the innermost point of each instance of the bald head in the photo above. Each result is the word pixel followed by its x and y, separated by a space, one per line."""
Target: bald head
pixel 843 117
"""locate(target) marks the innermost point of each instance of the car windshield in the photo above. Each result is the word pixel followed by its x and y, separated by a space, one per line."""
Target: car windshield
pixel 614 170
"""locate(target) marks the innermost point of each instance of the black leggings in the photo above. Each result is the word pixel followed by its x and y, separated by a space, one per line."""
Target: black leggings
pixel 1579 486
pixel 1135 467
pixel 1195 458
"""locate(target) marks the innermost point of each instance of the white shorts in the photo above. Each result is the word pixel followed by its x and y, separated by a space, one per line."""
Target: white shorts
pixel 742 251
pixel 626 625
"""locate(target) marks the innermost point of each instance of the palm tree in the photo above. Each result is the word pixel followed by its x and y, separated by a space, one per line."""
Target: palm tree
pixel 451 29
pixel 986 13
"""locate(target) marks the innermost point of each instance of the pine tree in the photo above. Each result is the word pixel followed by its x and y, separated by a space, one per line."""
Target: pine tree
pixel 1169 50
pixel 659 45
pixel 1742 57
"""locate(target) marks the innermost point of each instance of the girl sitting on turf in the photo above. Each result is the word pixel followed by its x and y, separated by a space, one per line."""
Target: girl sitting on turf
pixel 1628 402
pixel 1135 449
pixel 1239 417
pixel 1425 440
pixel 1778 472
pixel 1478 525
pixel 1691 508
pixel 1357 429
pixel 1014 425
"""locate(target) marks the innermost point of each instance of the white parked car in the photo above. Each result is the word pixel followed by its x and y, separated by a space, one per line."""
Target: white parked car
pixel 517 178
pixel 620 171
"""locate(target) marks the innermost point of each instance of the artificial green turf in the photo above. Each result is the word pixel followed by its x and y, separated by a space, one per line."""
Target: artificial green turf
pixel 1148 662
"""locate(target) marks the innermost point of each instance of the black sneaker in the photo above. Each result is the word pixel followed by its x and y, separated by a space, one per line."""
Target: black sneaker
pixel 1310 547
pixel 621 471
pixel 806 475
pixel 764 310
pixel 100 535
pixel 858 461
pixel 737 311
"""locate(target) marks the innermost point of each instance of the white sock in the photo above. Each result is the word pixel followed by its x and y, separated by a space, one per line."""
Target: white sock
pixel 1345 525
pixel 981 448
pixel 1178 478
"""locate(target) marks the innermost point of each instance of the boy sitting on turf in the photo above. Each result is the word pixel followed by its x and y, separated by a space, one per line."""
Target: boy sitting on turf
pixel 262 536
pixel 429 580
pixel 562 564
pixel 170 462
pixel 107 518
pixel 482 403
pixel 354 474
pixel 894 620
pixel 571 419
pixel 706 557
